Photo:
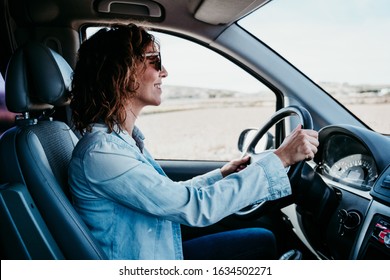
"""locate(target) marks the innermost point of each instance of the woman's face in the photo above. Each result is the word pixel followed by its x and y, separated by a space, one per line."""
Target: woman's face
pixel 150 80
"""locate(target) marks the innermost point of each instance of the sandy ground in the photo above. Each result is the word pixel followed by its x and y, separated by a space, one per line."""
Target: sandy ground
pixel 197 134
pixel 376 116
pixel 213 133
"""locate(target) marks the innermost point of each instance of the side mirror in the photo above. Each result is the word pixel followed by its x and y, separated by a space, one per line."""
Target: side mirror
pixel 246 136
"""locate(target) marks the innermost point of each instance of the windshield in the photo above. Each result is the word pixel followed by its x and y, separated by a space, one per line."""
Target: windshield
pixel 343 46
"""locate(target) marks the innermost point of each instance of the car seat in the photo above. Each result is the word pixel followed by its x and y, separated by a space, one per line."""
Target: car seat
pixel 37 219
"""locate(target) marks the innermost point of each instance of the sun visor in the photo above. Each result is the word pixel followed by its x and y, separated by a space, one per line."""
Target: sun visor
pixel 225 11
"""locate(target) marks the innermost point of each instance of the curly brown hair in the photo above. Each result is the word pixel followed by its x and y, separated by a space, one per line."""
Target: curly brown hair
pixel 105 76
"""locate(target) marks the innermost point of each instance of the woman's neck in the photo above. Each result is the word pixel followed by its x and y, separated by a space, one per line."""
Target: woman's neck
pixel 131 117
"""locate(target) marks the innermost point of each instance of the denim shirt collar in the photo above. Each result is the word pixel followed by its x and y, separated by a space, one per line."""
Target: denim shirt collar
pixel 136 139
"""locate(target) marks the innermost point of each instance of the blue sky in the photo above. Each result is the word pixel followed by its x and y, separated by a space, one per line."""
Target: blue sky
pixel 333 40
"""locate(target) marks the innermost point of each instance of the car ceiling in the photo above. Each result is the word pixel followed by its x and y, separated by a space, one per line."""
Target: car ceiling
pixel 67 12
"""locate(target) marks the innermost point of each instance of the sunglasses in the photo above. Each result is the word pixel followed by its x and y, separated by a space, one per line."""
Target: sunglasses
pixel 156 59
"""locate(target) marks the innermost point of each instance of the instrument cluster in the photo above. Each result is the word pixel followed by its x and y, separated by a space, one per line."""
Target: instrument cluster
pixel 347 161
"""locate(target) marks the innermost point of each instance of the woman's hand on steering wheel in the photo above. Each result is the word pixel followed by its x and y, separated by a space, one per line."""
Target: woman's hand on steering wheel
pixel 300 145
pixel 235 165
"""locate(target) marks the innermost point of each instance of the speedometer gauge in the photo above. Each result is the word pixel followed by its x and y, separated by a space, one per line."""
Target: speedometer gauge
pixel 357 170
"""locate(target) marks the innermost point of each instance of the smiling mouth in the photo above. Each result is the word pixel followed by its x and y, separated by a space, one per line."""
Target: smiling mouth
pixel 158 86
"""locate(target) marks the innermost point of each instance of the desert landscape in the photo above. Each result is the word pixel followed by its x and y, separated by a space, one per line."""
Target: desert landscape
pixel 218 117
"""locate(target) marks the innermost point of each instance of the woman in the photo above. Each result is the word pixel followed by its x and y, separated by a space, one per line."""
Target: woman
pixel 132 208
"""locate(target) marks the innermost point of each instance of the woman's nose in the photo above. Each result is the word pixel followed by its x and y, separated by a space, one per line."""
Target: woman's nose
pixel 163 72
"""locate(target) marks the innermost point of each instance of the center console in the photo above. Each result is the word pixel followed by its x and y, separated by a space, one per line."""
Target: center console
pixel 374 240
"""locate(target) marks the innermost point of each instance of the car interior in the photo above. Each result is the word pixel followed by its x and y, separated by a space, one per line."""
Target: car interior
pixel 340 206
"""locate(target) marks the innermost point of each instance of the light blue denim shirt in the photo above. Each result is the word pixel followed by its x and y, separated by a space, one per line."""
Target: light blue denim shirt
pixel 134 210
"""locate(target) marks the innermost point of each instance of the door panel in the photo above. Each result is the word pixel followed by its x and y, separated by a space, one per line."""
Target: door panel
pixel 181 170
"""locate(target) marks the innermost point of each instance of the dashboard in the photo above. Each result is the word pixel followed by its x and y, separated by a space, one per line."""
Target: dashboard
pixel 348 161
pixel 350 180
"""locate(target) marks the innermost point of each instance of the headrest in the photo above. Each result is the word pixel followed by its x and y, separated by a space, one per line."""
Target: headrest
pixel 37 78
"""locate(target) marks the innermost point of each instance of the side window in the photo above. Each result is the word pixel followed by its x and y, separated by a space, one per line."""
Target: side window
pixel 6 118
pixel 207 101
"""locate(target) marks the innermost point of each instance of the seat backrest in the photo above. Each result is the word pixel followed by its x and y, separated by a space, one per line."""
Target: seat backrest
pixel 37 151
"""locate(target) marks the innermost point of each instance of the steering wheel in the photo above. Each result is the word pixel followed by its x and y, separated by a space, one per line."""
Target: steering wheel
pixel 294 171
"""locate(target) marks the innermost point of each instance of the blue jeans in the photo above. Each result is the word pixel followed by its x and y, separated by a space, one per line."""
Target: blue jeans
pixel 240 244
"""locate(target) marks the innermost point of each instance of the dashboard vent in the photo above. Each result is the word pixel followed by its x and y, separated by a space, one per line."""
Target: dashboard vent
pixel 381 190
pixel 386 182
